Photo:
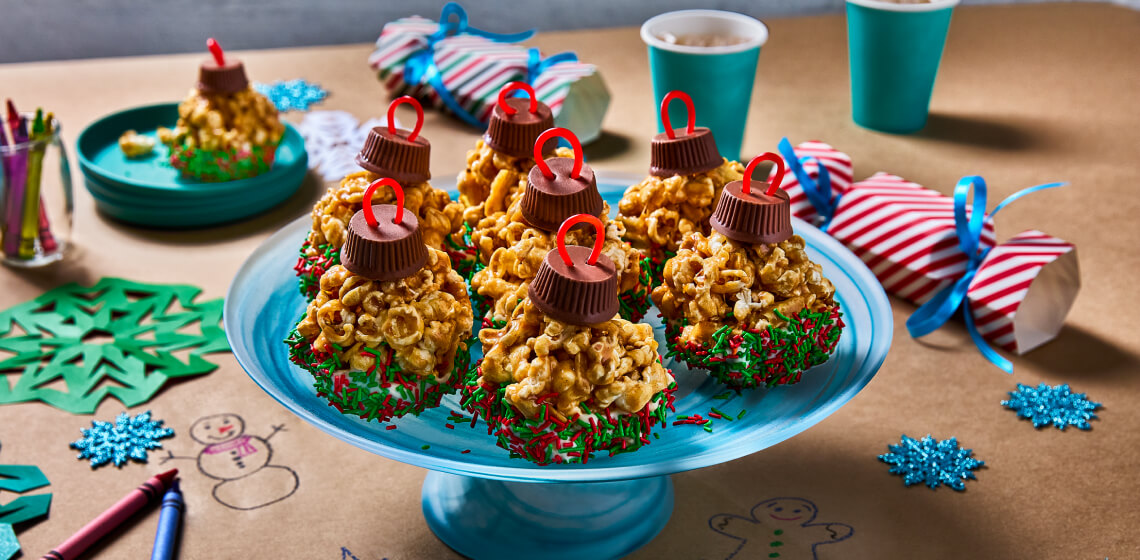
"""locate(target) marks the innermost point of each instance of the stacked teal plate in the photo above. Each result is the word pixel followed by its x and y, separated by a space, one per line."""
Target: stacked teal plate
pixel 149 191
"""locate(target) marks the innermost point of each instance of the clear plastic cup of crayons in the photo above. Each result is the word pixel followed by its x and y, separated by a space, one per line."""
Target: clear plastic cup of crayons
pixel 35 191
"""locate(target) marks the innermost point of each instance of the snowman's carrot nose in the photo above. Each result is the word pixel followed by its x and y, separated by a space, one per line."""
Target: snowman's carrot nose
pixel 225 429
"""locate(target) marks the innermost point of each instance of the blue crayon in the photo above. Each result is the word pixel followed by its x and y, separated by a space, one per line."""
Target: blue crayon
pixel 167 534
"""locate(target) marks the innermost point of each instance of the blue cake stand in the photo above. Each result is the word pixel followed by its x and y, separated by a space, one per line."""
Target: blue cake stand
pixel 484 504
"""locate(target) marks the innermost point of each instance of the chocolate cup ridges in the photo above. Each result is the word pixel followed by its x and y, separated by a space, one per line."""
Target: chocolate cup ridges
pixel 685 154
pixel 390 154
pixel 514 135
pixel 546 203
pixel 388 251
pixel 754 217
pixel 582 294
pixel 229 78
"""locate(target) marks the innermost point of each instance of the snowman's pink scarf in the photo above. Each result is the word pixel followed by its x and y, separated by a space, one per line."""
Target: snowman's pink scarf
pixel 241 444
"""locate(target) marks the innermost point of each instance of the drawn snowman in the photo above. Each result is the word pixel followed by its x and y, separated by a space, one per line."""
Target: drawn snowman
pixel 241 462
pixel 779 528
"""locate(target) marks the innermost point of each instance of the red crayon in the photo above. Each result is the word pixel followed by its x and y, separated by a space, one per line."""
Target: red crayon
pixel 150 491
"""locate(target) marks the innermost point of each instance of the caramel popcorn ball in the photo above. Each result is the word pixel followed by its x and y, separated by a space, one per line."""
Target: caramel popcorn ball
pixel 135 145
pixel 438 217
pixel 751 302
pixel 612 364
pixel 360 334
pixel 493 181
pixel 659 212
pixel 223 136
pixel 543 376
pixel 516 250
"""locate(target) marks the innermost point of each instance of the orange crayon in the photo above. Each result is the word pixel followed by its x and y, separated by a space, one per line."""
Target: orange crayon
pixel 150 491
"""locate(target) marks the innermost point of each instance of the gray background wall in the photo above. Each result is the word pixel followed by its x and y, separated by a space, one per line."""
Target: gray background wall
pixel 60 29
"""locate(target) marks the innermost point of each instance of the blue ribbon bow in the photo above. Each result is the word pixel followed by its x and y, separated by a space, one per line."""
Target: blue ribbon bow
pixel 818 194
pixel 421 67
pixel 934 313
pixel 536 65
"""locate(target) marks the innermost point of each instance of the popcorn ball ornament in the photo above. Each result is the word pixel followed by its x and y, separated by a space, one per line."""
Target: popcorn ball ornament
pixel 226 130
pixel 686 176
pixel 566 377
pixel 518 240
pixel 389 331
pixel 745 302
pixel 389 152
pixel 497 168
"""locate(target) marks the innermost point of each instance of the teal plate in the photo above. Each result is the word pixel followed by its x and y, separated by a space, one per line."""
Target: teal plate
pixel 148 191
pixel 178 216
pixel 107 194
pixel 153 176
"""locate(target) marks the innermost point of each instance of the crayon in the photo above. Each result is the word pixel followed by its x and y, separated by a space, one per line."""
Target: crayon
pixel 168 521
pixel 45 131
pixel 30 222
pixel 149 492
pixel 16 169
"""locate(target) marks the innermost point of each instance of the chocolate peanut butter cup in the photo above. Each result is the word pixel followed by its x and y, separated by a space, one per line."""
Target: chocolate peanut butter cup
pixel 517 122
pixel 384 241
pixel 682 151
pixel 219 74
pixel 749 214
pixel 576 285
pixel 394 152
pixel 558 188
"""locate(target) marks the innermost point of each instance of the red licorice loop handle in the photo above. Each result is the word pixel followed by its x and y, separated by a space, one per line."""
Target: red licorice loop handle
pixel 678 94
pixel 558 132
pixel 775 184
pixel 216 50
pixel 368 215
pixel 419 115
pixel 571 222
pixel 513 87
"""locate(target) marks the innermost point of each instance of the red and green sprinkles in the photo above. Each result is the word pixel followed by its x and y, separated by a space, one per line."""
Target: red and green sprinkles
pixel 773 356
pixel 310 268
pixel 463 253
pixel 634 303
pixel 546 439
pixel 383 392
pixel 222 165
pixel 658 256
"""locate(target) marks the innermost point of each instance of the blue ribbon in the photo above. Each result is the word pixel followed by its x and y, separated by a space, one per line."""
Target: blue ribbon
pixel 421 67
pixel 934 313
pixel 536 65
pixel 818 194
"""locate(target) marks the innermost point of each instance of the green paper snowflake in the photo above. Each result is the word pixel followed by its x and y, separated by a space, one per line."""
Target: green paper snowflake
pixel 19 479
pixel 74 346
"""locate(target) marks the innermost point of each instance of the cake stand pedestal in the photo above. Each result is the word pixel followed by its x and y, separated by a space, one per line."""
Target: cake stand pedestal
pixel 484 518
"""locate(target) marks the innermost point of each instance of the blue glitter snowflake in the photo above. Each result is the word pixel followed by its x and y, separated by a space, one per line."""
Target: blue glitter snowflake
pixel 127 438
pixel 292 95
pixel 932 462
pixel 1046 405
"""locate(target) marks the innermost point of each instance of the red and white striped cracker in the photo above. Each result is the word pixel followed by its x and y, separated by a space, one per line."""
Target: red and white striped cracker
pixel 905 234
pixel 1023 291
pixel 840 171
pixel 474 69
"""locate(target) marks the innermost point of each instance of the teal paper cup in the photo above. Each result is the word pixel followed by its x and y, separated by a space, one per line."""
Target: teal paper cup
pixel 894 51
pixel 718 78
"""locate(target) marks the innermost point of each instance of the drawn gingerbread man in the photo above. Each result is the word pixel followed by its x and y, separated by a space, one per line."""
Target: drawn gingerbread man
pixel 240 462
pixel 779 528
